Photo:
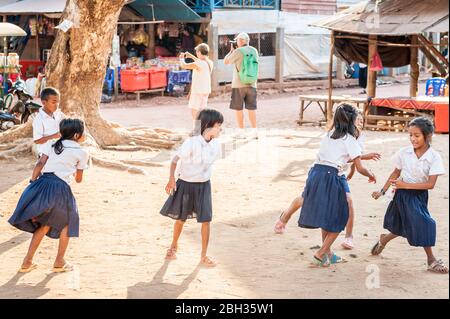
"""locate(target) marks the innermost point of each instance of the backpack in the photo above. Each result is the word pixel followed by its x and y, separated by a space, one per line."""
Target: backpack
pixel 250 66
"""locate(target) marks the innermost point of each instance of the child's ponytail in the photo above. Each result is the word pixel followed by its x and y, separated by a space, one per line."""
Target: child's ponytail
pixel 58 146
pixel 68 128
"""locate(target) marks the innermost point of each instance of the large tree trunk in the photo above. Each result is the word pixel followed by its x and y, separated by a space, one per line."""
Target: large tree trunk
pixel 78 62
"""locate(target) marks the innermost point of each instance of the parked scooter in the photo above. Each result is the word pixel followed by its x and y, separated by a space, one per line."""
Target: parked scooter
pixel 19 112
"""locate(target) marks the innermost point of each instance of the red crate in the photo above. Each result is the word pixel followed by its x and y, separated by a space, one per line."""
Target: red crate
pixel 134 80
pixel 441 118
pixel 157 78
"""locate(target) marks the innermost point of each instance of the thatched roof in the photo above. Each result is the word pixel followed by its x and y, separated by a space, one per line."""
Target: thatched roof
pixel 390 17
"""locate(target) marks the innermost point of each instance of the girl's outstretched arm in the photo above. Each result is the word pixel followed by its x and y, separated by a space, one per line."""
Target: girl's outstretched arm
pixel 352 172
pixel 172 185
pixel 394 175
pixel 38 167
pixel 364 171
pixel 399 184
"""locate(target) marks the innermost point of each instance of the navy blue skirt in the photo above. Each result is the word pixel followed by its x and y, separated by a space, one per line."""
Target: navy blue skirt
pixel 324 200
pixel 47 201
pixel 407 215
pixel 191 200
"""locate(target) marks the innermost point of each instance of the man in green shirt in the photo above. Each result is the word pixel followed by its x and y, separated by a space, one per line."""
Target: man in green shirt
pixel 242 94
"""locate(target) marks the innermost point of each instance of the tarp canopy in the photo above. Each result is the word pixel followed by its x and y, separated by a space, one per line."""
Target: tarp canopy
pixel 392 18
pixel 33 7
pixel 167 10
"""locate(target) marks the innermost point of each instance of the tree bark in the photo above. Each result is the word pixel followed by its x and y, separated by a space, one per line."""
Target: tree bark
pixel 77 64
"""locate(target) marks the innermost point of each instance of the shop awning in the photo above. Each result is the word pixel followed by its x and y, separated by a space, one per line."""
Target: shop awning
pixel 33 7
pixel 167 10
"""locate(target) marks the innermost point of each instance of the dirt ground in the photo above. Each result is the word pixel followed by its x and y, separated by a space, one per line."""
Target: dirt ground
pixel 123 239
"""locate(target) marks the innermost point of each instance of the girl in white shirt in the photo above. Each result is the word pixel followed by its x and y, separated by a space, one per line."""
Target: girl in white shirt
pixel 47 206
pixel 190 195
pixel 201 78
pixel 280 226
pixel 325 203
pixel 417 168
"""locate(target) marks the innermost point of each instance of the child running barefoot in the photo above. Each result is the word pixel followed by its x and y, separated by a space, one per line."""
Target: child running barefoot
pixel 417 168
pixel 325 203
pixel 297 203
pixel 47 206
pixel 190 195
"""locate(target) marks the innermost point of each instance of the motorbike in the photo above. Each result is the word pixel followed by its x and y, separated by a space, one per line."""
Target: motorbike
pixel 19 112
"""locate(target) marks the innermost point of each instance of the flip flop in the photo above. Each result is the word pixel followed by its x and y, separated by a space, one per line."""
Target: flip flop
pixel 27 270
pixel 377 248
pixel 321 263
pixel 335 259
pixel 66 268
pixel 171 254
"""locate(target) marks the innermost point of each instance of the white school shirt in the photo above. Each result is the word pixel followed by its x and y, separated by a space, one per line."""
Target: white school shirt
pixel 66 164
pixel 417 170
pixel 46 125
pixel 361 139
pixel 196 159
pixel 337 153
pixel 201 79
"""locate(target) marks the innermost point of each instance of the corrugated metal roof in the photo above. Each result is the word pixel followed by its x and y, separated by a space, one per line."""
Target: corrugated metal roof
pixel 389 17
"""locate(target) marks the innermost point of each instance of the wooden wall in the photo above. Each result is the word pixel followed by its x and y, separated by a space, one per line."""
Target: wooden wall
pixel 325 7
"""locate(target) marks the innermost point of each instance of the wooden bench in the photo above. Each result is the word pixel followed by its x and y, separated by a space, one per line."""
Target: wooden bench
pixel 138 93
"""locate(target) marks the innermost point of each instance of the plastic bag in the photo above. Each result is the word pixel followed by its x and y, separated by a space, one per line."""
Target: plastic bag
pixel 376 64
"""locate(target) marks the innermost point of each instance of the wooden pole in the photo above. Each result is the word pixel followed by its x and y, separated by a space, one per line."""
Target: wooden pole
pixel 415 71
pixel 151 41
pixel 37 39
pixel 279 65
pixel 213 42
pixel 329 106
pixel 371 75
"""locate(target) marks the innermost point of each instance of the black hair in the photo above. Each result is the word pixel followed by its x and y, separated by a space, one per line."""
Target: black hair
pixel 344 122
pixel 47 92
pixel 425 125
pixel 68 128
pixel 207 118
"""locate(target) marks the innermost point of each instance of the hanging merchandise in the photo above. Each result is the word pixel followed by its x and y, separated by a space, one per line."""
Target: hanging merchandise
pixel 376 65
pixel 13 63
pixel 3 63
pixel 174 30
pixel 160 30
pixel 33 27
pixel 141 37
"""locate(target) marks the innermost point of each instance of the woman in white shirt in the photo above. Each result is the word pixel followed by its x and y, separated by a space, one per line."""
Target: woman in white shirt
pixel 325 203
pixel 417 168
pixel 201 78
pixel 47 206
pixel 190 195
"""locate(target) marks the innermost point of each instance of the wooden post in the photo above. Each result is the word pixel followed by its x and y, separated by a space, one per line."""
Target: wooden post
pixel 279 64
pixel 151 41
pixel 329 106
pixel 213 42
pixel 414 85
pixel 37 39
pixel 371 75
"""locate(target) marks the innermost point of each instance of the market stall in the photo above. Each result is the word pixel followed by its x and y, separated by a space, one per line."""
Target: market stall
pixel 395 40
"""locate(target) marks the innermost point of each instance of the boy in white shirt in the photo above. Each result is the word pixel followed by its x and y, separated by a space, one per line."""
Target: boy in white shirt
pixel 46 123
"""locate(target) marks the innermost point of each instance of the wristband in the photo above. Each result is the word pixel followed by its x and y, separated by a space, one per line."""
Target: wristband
pixel 383 192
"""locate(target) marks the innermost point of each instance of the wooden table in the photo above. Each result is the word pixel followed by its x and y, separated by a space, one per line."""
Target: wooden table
pixel 138 93
pixel 322 102
pixel 408 107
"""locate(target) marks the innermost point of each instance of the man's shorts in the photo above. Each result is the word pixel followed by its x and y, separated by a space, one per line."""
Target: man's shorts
pixel 198 101
pixel 243 96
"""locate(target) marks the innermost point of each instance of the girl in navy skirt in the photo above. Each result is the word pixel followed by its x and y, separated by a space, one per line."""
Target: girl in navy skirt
pixel 47 206
pixel 297 203
pixel 190 195
pixel 417 168
pixel 325 203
